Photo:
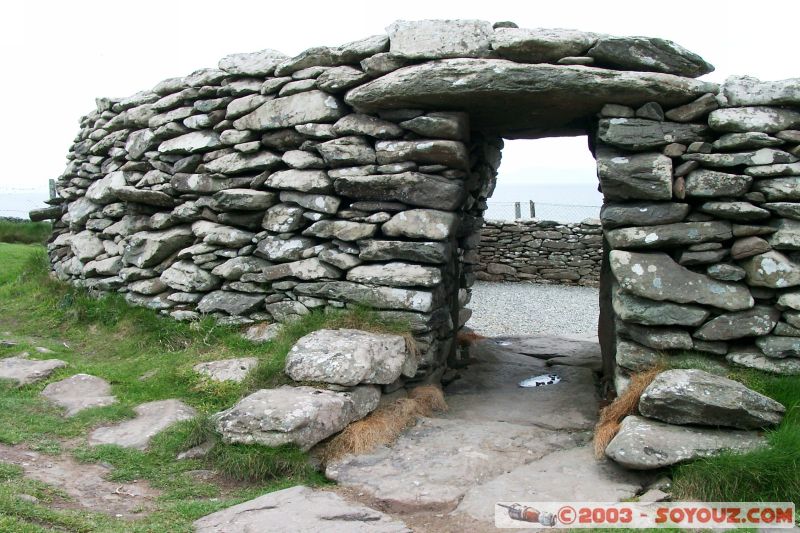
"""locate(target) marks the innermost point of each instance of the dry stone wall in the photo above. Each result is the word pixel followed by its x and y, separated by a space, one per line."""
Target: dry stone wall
pixel 358 175
pixel 541 251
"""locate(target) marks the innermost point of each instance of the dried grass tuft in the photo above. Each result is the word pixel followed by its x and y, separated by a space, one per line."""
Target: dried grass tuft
pixel 626 404
pixel 466 338
pixel 384 425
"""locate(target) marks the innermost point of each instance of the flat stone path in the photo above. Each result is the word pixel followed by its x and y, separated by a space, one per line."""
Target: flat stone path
pixel 498 442
pixel 151 418
pixel 79 392
pixel 24 371
pixel 300 509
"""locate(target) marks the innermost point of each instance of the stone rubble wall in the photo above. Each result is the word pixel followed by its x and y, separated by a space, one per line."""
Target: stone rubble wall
pixel 275 185
pixel 543 251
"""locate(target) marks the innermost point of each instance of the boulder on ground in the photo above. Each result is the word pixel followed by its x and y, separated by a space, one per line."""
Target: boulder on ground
pixel 299 415
pixel 349 357
pixel 643 444
pixel 694 396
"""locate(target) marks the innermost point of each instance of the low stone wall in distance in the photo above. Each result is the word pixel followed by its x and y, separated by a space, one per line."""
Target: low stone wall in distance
pixel 541 250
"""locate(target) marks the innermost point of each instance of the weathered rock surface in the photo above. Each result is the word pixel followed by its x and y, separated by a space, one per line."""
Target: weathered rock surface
pixel 423 252
pixel 754 322
pixel 634 176
pixel 631 308
pixel 263 332
pixel 580 477
pixel 711 184
pixel 349 357
pixel 412 188
pixel 648 54
pixel 24 371
pixel 146 249
pixel 299 509
pixel 754 358
pixel 772 269
pixel 747 91
pixel 421 224
pixel 231 302
pixel 299 415
pixel 235 370
pixel 779 347
pixel 657 277
pixel 540 45
pixel 79 392
pixel 643 444
pixel 642 134
pixel 396 274
pixel 300 108
pixel 669 235
pixel 378 297
pixel 761 119
pixel 151 419
pixel 614 215
pixel 697 397
pixel 437 39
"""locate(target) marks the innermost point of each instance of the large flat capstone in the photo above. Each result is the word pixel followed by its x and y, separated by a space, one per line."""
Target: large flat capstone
pixel 559 99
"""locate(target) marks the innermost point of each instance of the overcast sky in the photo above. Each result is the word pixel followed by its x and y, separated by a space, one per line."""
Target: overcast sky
pixel 58 56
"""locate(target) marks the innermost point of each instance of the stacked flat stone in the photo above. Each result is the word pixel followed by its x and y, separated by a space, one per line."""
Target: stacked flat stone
pixel 359 174
pixel 687 414
pixel 542 251
pixel 701 217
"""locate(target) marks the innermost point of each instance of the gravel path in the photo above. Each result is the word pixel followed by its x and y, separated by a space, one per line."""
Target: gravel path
pixel 500 309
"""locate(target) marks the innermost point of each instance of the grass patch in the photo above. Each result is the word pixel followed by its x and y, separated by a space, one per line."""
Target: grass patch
pixel 769 474
pixel 24 231
pixel 146 357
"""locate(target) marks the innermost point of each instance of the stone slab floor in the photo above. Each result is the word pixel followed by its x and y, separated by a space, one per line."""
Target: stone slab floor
pixel 497 442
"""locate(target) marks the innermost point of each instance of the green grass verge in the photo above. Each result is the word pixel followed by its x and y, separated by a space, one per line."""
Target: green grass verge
pixel 25 231
pixel 146 357
pixel 768 474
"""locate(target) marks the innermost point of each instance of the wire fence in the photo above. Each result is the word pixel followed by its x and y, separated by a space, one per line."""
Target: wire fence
pixel 541 211
pixel 17 202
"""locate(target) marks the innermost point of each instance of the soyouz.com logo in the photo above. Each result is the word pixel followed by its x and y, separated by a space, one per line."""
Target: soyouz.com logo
pixel 702 515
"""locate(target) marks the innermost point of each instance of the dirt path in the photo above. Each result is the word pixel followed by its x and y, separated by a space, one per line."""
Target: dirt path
pixel 85 484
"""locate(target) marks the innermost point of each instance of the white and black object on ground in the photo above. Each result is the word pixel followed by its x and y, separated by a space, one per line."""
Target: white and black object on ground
pixel 540 381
